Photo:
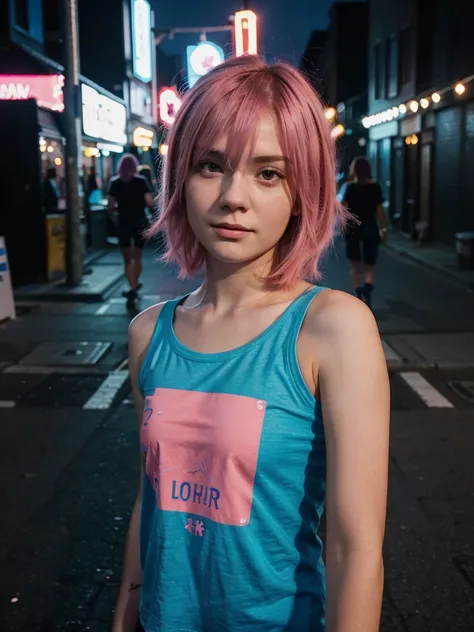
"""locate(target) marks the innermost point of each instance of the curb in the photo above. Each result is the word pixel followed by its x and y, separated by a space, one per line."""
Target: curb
pixel 56 294
pixel 452 276
pixel 428 365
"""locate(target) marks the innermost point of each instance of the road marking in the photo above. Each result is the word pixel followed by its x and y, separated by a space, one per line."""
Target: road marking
pixel 29 370
pixel 152 297
pixel 105 394
pixel 428 393
pixel 391 356
pixel 48 370
pixel 7 403
pixel 103 308
pixel 123 365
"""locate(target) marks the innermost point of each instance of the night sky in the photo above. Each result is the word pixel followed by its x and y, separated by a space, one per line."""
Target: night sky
pixel 284 25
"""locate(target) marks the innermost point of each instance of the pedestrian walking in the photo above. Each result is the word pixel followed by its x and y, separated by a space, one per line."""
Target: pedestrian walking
pixel 259 395
pixel 131 194
pixel 363 197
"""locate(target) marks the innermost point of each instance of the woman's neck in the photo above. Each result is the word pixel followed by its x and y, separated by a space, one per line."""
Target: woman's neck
pixel 228 288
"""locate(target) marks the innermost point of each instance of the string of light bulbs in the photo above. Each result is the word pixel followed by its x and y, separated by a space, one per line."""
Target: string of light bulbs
pixel 413 106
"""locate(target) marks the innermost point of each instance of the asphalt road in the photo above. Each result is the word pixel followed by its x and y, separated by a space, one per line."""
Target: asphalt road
pixel 69 465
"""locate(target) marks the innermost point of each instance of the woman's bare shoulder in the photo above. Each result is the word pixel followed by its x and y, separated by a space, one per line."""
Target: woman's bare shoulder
pixel 141 330
pixel 336 314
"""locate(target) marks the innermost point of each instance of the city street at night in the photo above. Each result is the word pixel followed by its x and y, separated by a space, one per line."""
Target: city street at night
pixel 69 454
pixel 242 139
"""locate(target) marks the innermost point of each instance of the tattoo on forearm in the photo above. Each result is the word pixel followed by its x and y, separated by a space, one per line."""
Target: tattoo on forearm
pixel 134 587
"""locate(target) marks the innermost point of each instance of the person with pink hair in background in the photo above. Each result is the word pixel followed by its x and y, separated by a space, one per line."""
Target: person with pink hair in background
pixel 262 398
pixel 131 194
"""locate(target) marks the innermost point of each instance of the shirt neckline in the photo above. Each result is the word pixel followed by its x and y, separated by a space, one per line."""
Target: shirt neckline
pixel 222 356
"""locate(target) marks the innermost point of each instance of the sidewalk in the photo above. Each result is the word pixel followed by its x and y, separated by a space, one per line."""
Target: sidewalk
pixel 98 282
pixel 433 256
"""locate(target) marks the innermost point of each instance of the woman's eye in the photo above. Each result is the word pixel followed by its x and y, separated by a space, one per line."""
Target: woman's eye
pixel 269 175
pixel 209 167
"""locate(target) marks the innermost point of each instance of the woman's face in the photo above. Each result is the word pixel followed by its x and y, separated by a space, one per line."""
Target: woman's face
pixel 240 212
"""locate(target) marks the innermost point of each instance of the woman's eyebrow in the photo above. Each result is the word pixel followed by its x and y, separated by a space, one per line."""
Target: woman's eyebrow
pixel 270 158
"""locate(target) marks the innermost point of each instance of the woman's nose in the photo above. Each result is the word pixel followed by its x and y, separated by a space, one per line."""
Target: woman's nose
pixel 234 196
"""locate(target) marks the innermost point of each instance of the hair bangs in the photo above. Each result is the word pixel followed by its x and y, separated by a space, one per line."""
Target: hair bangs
pixel 230 116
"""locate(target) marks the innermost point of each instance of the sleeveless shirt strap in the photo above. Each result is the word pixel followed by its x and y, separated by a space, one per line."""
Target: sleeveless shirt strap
pixel 164 320
pixel 291 340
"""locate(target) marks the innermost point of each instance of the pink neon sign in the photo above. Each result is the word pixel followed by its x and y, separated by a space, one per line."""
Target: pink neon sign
pixel 47 90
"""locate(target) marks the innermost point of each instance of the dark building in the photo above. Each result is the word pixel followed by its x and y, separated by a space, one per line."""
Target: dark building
pixel 336 62
pixel 421 127
pixel 116 53
pixel 30 92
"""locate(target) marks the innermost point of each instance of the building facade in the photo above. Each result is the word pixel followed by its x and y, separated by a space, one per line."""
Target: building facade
pixel 421 114
pixel 336 63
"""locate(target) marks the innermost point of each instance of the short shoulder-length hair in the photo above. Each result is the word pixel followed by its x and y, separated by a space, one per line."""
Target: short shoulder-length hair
pixel 231 99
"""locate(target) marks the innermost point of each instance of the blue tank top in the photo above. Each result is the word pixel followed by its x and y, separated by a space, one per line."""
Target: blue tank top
pixel 234 484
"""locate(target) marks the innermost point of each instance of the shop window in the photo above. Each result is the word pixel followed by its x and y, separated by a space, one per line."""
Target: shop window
pixel 391 71
pixel 22 17
pixel 406 57
pixel 378 61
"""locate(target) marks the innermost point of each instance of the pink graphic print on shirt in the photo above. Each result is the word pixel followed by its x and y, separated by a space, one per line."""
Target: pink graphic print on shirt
pixel 201 452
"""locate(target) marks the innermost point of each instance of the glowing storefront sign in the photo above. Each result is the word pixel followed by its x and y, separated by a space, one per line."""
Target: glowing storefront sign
pixel 103 117
pixel 201 59
pixel 47 90
pixel 141 40
pixel 169 103
pixel 245 25
pixel 142 137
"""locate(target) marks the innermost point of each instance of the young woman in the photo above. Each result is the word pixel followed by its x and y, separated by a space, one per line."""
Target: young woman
pixel 363 197
pixel 130 192
pixel 259 395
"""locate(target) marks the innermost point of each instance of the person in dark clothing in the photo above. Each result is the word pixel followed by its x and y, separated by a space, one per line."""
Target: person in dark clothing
pixel 363 197
pixel 145 172
pixel 131 194
pixel 51 193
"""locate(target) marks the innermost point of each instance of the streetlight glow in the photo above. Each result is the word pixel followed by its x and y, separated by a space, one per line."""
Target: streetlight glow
pixel 460 88
pixel 436 97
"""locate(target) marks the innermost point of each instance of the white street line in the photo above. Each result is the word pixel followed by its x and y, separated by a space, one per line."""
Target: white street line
pixel 425 391
pixel 29 370
pixel 152 297
pixel 122 365
pixel 390 354
pixel 103 308
pixel 105 394
pixel 6 403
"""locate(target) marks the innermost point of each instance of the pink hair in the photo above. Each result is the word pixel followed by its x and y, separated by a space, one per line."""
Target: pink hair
pixel 127 167
pixel 231 99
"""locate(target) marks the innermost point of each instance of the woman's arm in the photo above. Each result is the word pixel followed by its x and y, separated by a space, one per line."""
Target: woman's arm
pixel 382 222
pixel 126 610
pixel 149 200
pixel 354 389
pixel 110 203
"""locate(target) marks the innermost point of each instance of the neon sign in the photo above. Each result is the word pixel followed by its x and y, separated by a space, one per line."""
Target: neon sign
pixel 141 36
pixel 103 117
pixel 201 59
pixel 142 137
pixel 245 25
pixel 47 90
pixel 169 104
